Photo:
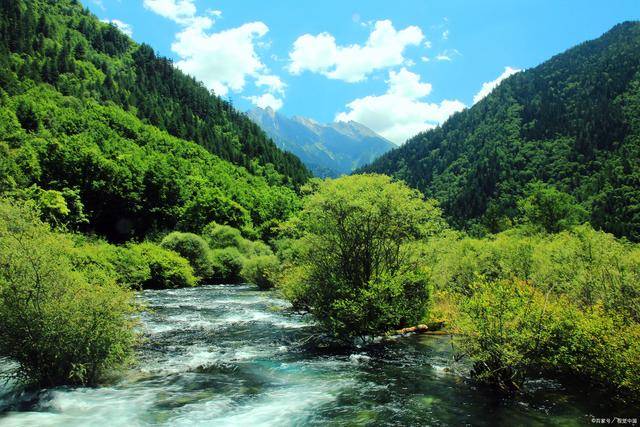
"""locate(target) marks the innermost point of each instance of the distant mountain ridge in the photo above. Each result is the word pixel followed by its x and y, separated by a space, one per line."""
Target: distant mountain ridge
pixel 328 150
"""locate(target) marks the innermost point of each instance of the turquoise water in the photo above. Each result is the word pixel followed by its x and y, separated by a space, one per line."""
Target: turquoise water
pixel 233 356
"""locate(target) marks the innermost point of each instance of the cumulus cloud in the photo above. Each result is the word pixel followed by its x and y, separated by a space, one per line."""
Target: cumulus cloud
pixel 180 11
pixel 488 87
pixel 223 60
pixel 122 26
pixel 353 63
pixel 266 100
pixel 401 112
pixel 272 83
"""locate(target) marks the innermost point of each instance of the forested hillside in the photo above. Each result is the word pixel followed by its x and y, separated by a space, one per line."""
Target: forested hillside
pixel 58 42
pixel 572 122
pixel 90 126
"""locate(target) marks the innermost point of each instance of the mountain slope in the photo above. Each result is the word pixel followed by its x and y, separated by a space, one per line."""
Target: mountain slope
pixel 60 43
pixel 573 122
pixel 68 145
pixel 328 150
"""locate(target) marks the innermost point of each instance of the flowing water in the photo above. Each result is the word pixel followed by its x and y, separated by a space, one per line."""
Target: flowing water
pixel 233 356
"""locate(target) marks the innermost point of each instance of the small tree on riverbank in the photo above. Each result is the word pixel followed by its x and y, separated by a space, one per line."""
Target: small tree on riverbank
pixel 354 266
pixel 59 327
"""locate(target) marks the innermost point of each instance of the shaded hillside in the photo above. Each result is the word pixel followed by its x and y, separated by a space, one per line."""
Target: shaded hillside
pixel 573 122
pixel 328 150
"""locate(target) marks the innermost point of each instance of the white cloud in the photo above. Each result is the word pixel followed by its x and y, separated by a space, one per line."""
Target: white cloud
pixel 383 49
pixel 448 55
pixel 427 44
pixel 122 26
pixel 445 35
pixel 488 87
pixel 223 60
pixel 401 112
pixel 272 83
pixel 180 11
pixel 425 59
pixel 266 101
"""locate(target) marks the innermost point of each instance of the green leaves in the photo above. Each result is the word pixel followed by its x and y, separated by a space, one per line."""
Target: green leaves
pixel 61 324
pixel 352 266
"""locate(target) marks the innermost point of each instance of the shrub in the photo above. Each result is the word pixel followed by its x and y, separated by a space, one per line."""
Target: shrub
pixel 57 326
pixel 510 330
pixel 354 261
pixel 194 249
pixel 261 271
pixel 222 236
pixel 227 265
pixel 167 269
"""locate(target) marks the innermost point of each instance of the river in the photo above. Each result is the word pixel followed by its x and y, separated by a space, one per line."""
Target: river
pixel 234 356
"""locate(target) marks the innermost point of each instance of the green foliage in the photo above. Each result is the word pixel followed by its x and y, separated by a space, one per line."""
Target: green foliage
pixel 60 43
pixel 550 209
pixel 212 205
pixel 353 265
pixel 194 249
pixel 167 269
pixel 129 179
pixel 563 304
pixel 227 264
pixel 222 236
pixel 513 331
pixel 559 123
pixel 59 327
pixel 261 270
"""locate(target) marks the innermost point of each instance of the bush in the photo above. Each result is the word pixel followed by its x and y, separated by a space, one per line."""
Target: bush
pixel 354 266
pixel 227 265
pixel 513 331
pixel 167 269
pixel 510 330
pixel 194 249
pixel 57 326
pixel 222 236
pixel 261 271
pixel 387 302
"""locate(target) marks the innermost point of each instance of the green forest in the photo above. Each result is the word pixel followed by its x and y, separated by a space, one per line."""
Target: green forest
pixel 513 227
pixel 571 122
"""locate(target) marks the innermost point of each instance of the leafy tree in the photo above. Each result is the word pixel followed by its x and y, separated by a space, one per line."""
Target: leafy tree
pixel 550 209
pixel 358 274
pixel 194 249
pixel 59 327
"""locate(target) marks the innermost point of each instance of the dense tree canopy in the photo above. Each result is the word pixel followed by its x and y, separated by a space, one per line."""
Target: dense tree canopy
pixel 59 43
pixel 129 179
pixel 571 122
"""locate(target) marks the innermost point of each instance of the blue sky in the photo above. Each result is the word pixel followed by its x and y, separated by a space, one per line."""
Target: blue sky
pixel 398 67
